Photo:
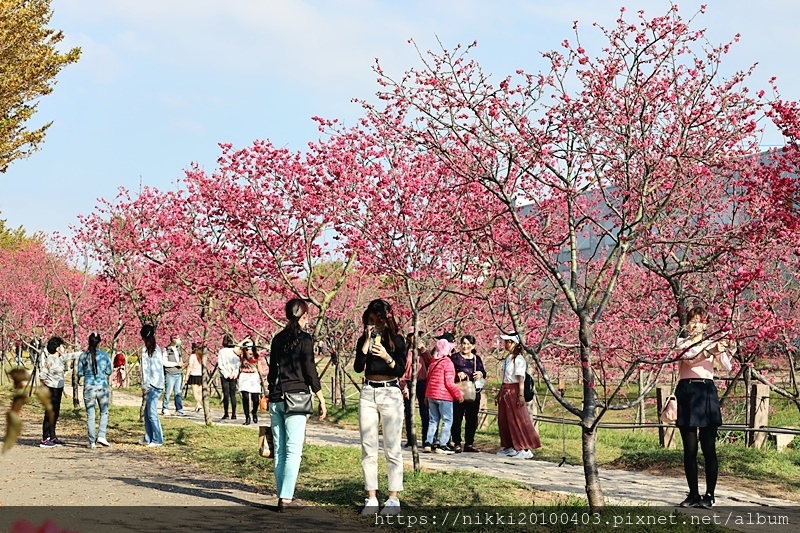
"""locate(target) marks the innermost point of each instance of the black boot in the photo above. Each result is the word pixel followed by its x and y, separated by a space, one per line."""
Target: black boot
pixel 225 416
pixel 246 420
pixel 255 418
pixel 233 416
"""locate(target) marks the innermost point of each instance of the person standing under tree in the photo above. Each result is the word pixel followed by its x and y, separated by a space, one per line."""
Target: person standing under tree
pixel 94 366
pixel 173 376
pixel 517 434
pixel 699 411
pixel 292 369
pixel 249 380
pixel 196 375
pixel 469 367
pixel 381 355
pixel 152 363
pixel 228 365
pixel 52 367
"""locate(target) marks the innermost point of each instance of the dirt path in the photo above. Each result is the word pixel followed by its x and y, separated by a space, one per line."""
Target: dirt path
pixel 131 488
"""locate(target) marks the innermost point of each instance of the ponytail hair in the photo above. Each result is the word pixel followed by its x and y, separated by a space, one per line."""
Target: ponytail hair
pixel 94 342
pixel 296 308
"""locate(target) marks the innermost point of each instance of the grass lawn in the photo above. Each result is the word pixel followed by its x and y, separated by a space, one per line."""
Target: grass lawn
pixel 329 475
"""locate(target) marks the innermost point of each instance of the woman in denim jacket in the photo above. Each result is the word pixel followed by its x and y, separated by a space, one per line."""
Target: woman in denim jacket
pixel 94 366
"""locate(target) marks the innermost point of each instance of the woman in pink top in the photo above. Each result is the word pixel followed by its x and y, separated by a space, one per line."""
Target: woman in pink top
pixel 439 394
pixel 698 404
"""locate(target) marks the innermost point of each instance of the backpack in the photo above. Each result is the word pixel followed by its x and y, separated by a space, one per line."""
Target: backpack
pixel 528 388
pixel 528 392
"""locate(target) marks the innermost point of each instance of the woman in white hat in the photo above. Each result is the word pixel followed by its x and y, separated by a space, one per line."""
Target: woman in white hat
pixel 517 434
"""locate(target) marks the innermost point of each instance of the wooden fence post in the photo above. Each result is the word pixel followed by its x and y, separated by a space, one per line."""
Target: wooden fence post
pixel 759 415
pixel 666 436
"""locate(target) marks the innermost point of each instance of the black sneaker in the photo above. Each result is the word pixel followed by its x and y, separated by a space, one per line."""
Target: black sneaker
pixel 707 501
pixel 427 448
pixel 692 500
pixel 444 450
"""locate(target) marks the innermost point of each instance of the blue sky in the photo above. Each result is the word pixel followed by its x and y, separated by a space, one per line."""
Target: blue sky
pixel 162 82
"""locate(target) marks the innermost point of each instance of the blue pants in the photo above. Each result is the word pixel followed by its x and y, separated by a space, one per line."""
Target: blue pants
pixel 440 410
pixel 288 434
pixel 173 382
pixel 91 397
pixel 152 425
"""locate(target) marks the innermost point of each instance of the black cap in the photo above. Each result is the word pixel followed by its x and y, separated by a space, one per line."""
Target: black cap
pixel 449 337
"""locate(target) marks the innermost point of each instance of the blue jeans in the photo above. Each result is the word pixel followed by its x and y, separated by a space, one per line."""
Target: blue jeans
pixel 440 410
pixel 91 397
pixel 288 433
pixel 152 425
pixel 173 382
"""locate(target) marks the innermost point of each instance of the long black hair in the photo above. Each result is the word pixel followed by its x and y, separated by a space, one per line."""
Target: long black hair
pixel 383 310
pixel 148 334
pixel 296 308
pixel 94 342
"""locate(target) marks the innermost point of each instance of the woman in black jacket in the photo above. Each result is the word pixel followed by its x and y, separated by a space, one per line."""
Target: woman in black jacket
pixel 291 369
pixel 381 355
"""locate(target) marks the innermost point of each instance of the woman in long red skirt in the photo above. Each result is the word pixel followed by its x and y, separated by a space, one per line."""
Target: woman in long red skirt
pixel 517 434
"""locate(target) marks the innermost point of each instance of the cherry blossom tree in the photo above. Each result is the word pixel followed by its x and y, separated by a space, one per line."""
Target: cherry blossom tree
pixel 604 152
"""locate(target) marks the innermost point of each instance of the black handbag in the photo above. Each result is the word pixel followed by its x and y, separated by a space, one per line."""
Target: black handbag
pixel 300 403
pixel 296 403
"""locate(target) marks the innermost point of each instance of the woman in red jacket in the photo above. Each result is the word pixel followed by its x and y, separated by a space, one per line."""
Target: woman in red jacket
pixel 440 394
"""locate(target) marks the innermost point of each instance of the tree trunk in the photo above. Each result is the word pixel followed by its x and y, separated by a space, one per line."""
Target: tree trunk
pixel 640 414
pixel 412 394
pixel 594 493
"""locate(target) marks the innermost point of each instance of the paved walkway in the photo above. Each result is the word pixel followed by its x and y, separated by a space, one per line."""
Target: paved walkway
pixel 118 478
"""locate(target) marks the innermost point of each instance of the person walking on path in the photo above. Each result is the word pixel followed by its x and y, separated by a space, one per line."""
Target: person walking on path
pixel 469 367
pixel 52 369
pixel 228 363
pixel 173 376
pixel 517 434
pixel 249 380
pixel 440 395
pixel 698 404
pixel 152 363
pixel 381 356
pixel 94 366
pixel 291 369
pixel 196 375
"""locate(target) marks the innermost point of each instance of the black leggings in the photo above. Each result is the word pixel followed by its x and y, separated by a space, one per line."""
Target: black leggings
pixel 708 443
pixel 246 398
pixel 48 429
pixel 467 412
pixel 229 395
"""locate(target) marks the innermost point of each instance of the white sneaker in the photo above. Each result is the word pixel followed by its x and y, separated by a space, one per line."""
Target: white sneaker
pixel 164 412
pixel 523 454
pixel 506 451
pixel 154 444
pixel 391 507
pixel 513 453
pixel 181 413
pixel 92 445
pixel 371 507
pixel 102 441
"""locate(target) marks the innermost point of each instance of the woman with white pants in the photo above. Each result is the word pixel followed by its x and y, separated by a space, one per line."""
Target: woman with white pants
pixel 381 355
